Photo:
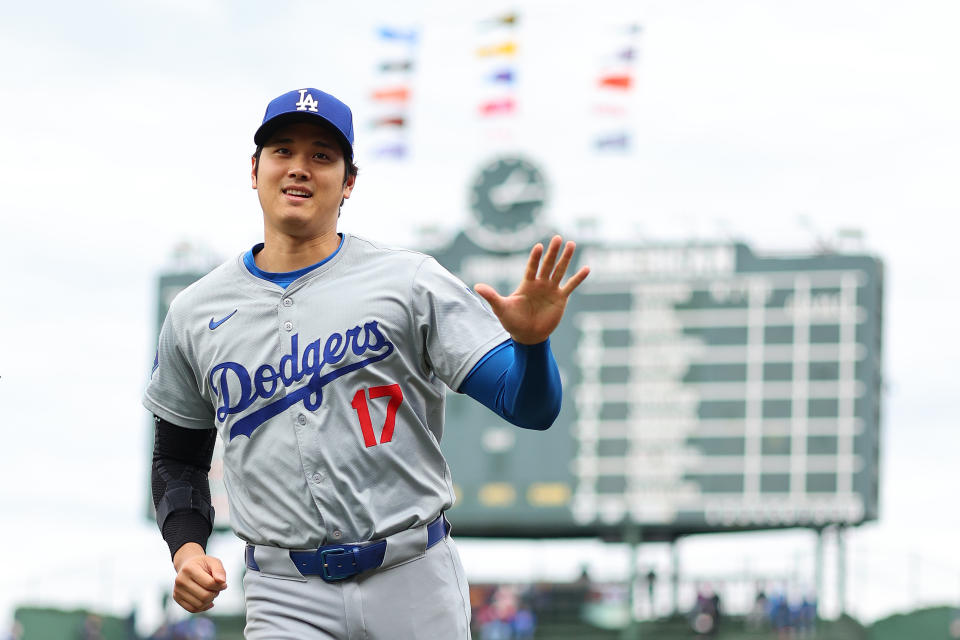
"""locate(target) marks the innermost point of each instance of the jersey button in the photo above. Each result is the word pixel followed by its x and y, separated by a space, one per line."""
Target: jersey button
pixel 302 419
pixel 337 533
pixel 287 302
pixel 317 477
pixel 288 325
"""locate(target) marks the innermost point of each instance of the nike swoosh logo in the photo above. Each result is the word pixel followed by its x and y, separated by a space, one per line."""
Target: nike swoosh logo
pixel 214 325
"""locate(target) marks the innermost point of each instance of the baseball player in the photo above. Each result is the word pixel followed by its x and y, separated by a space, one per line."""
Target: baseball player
pixel 322 360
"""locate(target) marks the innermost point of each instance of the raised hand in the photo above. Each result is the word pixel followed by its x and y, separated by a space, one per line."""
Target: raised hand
pixel 534 309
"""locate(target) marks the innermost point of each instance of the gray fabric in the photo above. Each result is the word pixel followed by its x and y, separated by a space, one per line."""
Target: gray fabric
pixel 386 319
pixel 276 563
pixel 423 599
pixel 405 546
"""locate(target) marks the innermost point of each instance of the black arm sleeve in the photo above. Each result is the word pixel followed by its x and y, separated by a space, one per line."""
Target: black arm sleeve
pixel 181 489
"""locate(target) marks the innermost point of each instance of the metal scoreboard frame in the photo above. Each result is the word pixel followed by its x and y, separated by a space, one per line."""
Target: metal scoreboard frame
pixel 706 389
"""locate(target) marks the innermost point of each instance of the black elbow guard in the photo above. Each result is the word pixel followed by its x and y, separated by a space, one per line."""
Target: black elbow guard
pixel 180 497
pixel 181 490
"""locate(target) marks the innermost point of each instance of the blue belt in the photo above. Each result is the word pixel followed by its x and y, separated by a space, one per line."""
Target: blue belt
pixel 341 561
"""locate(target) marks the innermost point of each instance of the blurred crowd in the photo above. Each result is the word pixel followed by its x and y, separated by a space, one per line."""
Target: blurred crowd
pixel 705 617
pixel 193 628
pixel 503 612
pixel 786 616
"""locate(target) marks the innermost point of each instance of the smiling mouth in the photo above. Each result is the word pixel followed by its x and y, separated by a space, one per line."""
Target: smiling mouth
pixel 297 192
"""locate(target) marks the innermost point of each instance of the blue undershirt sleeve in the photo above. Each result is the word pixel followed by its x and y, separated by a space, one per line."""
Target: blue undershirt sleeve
pixel 518 382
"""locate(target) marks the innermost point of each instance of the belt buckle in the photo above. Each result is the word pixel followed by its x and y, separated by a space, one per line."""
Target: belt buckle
pixel 325 573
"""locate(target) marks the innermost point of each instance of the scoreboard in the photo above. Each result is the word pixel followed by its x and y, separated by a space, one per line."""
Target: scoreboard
pixel 706 388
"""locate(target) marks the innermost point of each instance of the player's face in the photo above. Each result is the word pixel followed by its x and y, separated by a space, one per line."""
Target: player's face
pixel 299 180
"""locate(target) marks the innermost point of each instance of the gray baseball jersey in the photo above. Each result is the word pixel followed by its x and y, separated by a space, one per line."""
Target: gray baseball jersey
pixel 329 394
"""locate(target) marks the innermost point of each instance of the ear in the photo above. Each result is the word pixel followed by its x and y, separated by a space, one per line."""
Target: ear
pixel 348 186
pixel 253 172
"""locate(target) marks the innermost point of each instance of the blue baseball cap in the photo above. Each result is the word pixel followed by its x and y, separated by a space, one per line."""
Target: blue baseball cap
pixel 307 104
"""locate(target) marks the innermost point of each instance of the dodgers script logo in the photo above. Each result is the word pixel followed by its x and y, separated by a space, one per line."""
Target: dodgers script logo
pixel 292 368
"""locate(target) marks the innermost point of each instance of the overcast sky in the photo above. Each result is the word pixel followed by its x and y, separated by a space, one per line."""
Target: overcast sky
pixel 127 128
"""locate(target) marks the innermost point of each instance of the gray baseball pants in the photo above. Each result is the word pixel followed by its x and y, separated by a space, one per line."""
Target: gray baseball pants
pixel 424 598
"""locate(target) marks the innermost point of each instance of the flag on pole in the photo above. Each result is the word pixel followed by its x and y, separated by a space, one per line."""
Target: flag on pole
pixel 390 121
pixel 505 20
pixel 617 81
pixel 613 142
pixel 396 65
pixel 390 33
pixel 505 76
pixel 506 49
pixel 396 151
pixel 498 107
pixel 393 94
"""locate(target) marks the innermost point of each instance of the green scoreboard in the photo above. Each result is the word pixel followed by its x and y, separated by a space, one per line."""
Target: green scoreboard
pixel 706 388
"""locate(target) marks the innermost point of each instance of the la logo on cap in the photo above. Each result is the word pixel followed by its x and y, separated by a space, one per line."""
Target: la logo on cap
pixel 306 103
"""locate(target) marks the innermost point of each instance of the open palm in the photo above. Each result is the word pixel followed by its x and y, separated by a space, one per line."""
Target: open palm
pixel 535 308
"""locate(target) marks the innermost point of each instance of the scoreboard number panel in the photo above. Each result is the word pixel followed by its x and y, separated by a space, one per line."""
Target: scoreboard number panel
pixel 705 389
